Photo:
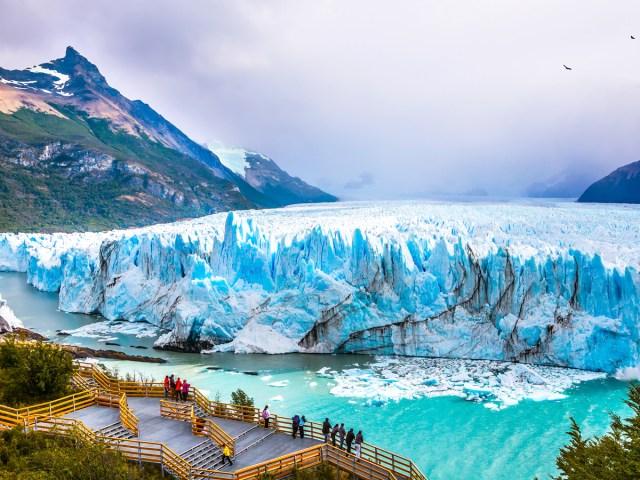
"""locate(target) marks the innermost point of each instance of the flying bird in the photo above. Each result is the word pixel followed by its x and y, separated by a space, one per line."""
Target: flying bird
pixel 632 37
pixel 568 68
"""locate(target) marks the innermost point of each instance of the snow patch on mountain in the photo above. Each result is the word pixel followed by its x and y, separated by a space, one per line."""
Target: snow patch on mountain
pixel 233 158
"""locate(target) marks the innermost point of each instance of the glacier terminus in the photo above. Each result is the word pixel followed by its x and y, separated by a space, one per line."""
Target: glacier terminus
pixel 538 282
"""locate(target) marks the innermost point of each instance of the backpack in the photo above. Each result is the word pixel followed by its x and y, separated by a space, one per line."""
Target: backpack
pixel 265 414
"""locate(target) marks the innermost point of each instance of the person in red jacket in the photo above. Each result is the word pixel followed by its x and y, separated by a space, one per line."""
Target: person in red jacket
pixel 178 393
pixel 166 386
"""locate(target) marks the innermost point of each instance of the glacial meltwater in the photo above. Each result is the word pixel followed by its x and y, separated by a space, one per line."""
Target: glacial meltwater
pixel 414 407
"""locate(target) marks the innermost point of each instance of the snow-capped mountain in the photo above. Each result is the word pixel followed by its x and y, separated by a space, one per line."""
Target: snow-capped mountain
pixel 263 174
pixel 101 159
pixel 553 284
pixel 620 186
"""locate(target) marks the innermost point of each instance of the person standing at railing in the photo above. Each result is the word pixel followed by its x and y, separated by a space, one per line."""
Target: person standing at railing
pixel 334 432
pixel 358 443
pixel 178 392
pixel 185 390
pixel 326 429
pixel 172 386
pixel 342 432
pixel 167 386
pixel 295 423
pixel 350 438
pixel 265 416
pixel 226 455
pixel 303 420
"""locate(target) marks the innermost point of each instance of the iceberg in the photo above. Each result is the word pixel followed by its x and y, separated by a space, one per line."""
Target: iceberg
pixel 539 283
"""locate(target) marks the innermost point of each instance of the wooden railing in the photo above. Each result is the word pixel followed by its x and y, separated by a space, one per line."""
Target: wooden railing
pixel 64 426
pixel 205 427
pixel 127 418
pixel 58 407
pixel 176 411
pixel 361 468
pixel 284 466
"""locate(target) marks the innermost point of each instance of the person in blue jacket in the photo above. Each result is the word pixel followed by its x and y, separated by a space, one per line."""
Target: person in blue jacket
pixel 303 420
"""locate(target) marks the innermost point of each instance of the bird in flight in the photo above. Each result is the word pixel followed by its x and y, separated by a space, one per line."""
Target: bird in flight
pixel 568 68
pixel 632 37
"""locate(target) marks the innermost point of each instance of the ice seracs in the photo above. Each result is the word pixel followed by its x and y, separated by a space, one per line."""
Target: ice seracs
pixel 8 319
pixel 542 283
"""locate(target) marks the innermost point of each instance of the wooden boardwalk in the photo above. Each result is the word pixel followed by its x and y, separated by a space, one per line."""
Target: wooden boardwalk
pixel 261 444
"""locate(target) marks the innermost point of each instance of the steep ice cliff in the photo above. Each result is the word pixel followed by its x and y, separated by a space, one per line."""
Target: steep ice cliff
pixel 540 283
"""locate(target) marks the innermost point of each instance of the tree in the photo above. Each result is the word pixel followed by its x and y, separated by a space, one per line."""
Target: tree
pixel 614 455
pixel 33 372
pixel 239 397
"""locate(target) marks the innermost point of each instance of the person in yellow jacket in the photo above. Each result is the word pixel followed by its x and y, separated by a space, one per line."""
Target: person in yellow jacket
pixel 226 454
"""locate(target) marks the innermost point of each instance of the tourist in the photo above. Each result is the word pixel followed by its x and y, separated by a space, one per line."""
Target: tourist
pixel 200 423
pixel 303 420
pixel 167 386
pixel 265 416
pixel 226 455
pixel 178 390
pixel 358 443
pixel 172 386
pixel 350 438
pixel 185 390
pixel 342 433
pixel 334 432
pixel 295 423
pixel 326 429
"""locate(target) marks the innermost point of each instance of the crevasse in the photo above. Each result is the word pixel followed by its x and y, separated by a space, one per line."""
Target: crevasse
pixel 539 283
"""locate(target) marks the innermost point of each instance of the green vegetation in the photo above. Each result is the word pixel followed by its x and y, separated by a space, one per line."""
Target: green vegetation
pixel 239 397
pixel 35 456
pixel 615 455
pixel 61 194
pixel 33 373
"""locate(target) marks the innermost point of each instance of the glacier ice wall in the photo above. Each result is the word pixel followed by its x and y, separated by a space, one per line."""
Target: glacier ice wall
pixel 540 283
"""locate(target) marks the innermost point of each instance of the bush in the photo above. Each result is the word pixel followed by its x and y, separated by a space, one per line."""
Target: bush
pixel 33 372
pixel 615 455
pixel 239 397
pixel 31 456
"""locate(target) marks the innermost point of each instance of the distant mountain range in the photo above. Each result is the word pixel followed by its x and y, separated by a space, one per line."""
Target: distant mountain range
pixel 77 155
pixel 570 183
pixel 620 186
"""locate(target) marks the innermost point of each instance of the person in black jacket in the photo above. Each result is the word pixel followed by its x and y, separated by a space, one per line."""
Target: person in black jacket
pixel 326 429
pixel 295 423
pixel 350 438
pixel 358 444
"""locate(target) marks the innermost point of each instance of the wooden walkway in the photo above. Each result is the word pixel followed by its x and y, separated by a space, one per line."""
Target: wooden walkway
pixel 262 444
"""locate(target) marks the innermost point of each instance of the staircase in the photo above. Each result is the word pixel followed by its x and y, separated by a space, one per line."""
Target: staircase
pixel 204 455
pixel 198 411
pixel 115 430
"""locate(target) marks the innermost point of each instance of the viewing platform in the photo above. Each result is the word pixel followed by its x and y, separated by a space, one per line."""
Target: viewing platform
pixel 186 438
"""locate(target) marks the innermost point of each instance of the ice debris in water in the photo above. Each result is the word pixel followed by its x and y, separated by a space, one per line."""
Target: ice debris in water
pixel 104 330
pixel 280 384
pixel 493 383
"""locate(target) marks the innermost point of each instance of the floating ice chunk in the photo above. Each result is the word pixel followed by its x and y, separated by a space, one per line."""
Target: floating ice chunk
pixel 105 328
pixel 266 377
pixel 313 384
pixel 277 398
pixel 280 384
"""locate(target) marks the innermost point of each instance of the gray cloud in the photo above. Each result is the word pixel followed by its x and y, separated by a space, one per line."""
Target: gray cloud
pixel 427 95
pixel 363 180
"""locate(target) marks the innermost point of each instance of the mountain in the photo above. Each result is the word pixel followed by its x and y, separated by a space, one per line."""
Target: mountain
pixel 267 177
pixel 77 155
pixel 620 186
pixel 569 183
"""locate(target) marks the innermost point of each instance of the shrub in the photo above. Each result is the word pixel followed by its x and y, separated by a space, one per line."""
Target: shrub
pixel 615 455
pixel 239 397
pixel 33 372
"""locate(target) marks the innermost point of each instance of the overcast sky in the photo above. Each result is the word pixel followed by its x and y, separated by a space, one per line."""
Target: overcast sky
pixel 369 98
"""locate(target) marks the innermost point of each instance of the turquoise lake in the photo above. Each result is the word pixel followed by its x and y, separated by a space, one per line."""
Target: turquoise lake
pixel 447 437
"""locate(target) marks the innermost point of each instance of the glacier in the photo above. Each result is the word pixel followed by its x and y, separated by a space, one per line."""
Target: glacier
pixel 533 282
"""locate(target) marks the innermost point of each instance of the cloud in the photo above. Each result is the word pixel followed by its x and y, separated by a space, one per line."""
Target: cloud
pixel 362 180
pixel 423 94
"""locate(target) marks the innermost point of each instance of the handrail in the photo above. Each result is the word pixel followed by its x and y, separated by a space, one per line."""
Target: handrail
pixel 127 417
pixel 175 410
pixel 284 466
pixel 208 428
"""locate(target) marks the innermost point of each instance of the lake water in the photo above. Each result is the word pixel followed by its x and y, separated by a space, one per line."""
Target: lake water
pixel 447 437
